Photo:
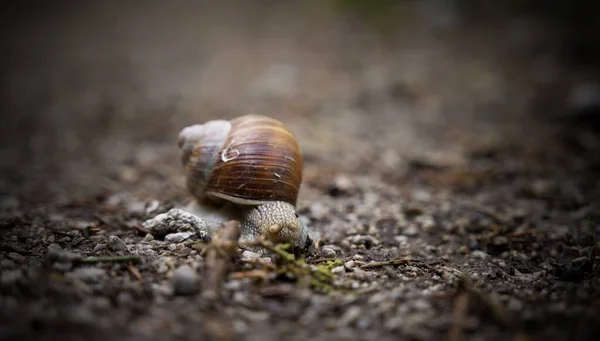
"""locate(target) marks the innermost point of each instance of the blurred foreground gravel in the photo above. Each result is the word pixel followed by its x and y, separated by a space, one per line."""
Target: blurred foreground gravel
pixel 441 206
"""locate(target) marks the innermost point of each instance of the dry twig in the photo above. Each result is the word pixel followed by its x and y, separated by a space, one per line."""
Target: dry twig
pixel 141 229
pixel 397 261
pixel 109 259
pixel 257 273
pixel 135 272
pixel 461 305
pixel 495 310
pixel 218 259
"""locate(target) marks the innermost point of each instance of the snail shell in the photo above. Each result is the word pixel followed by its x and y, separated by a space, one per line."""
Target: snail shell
pixel 249 160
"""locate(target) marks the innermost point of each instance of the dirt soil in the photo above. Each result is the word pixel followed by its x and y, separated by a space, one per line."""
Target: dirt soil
pixel 440 208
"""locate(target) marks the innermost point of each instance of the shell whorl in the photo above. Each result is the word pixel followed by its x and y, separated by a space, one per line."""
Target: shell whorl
pixel 249 160
pixel 200 146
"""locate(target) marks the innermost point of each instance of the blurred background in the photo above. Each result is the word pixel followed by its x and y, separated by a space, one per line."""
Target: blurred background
pixel 94 92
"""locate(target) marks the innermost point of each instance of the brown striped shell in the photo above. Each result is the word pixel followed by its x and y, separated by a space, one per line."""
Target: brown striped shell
pixel 249 160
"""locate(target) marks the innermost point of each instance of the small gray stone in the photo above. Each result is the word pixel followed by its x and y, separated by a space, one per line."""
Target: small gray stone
pixel 172 247
pixel 16 257
pixel 56 253
pixel 176 220
pixel 401 239
pixel 249 255
pixel 10 277
pixel 148 237
pixel 338 270
pixel 500 240
pixel 178 237
pixel 349 264
pixel 479 254
pixel 90 274
pixel 98 248
pixel 350 315
pixel 116 244
pixel 341 184
pixel 327 252
pixel 359 239
pixel 411 231
pixel 360 274
pixel 184 281
pixel 152 206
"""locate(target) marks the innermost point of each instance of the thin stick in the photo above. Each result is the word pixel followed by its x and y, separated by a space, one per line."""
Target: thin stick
pixel 461 304
pixel 497 312
pixel 141 229
pixel 218 259
pixel 397 261
pixel 109 259
pixel 135 272
pixel 262 274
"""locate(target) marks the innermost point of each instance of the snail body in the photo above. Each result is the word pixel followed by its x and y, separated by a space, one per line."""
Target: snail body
pixel 248 168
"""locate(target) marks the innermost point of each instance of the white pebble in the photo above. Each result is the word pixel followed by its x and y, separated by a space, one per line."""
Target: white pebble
pixel 338 270
pixel 479 254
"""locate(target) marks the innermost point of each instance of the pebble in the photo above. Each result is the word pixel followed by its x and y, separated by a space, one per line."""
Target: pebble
pixel 328 252
pixel 421 304
pixel 579 262
pixel 250 255
pixel 426 222
pixel 401 239
pixel 172 247
pixel 500 240
pixel 7 264
pixel 136 207
pixel 350 315
pixel 124 299
pixel 360 274
pixel 87 274
pixel 318 210
pixel 362 240
pixel 411 231
pixel 176 220
pixel 10 277
pixel 338 270
pixel 479 254
pixel 413 210
pixel 116 244
pixel 16 257
pixel 341 184
pixel 184 281
pixel 542 188
pixel 178 237
pixel 98 248
pixel 148 237
pixel 152 206
pixel 349 264
pixel 56 253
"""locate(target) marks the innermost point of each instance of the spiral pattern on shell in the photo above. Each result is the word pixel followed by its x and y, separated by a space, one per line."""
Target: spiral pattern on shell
pixel 249 160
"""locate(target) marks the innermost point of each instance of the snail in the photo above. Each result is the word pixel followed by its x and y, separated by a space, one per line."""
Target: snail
pixel 249 169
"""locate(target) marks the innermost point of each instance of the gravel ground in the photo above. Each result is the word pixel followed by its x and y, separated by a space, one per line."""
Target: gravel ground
pixel 438 209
